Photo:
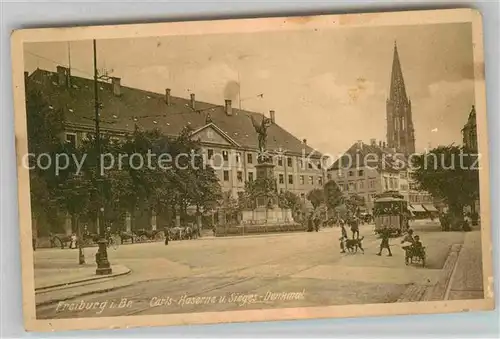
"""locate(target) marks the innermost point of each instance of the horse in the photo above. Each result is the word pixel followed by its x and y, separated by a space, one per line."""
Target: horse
pixel 124 236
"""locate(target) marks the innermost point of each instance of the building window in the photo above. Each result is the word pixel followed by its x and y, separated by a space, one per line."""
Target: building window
pixel 361 185
pixel 320 181
pixel 311 180
pixel 300 163
pixel 282 190
pixel 289 162
pixel 281 178
pixel 319 165
pixel 280 161
pixel 225 155
pixel 239 176
pixel 309 165
pixel 250 176
pixel 238 157
pixel 351 173
pixel 290 179
pixel 249 158
pixel 301 180
pixel 341 187
pixel 210 153
pixel 329 176
pixel 226 175
pixel 361 173
pixel 371 184
pixel 71 139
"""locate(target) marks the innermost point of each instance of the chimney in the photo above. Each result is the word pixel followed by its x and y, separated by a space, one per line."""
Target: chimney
pixel 117 88
pixel 228 107
pixel 272 114
pixel 167 96
pixel 304 141
pixel 62 76
pixel 373 142
pixel 360 144
pixel 193 101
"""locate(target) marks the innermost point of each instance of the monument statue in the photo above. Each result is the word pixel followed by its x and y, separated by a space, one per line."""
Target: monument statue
pixel 261 130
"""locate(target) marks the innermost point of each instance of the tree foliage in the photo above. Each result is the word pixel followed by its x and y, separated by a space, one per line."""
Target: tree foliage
pixel 450 173
pixel 316 197
pixel 289 200
pixel 333 195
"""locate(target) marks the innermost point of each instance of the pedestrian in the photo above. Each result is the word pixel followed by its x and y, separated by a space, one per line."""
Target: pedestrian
pixel 408 242
pixel 343 238
pixel 316 223
pixel 310 224
pixel 354 223
pixel 385 234
pixel 167 234
pixel 72 243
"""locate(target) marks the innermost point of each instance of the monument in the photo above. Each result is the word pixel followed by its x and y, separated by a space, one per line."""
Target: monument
pixel 266 213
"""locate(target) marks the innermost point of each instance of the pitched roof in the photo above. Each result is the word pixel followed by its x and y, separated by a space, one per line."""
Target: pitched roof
pixel 149 110
pixel 361 155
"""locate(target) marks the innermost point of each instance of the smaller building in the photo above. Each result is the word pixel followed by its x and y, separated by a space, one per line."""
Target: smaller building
pixel 367 170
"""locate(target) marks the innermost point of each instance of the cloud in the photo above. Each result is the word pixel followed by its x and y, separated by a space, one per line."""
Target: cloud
pixel 445 109
pixel 326 88
pixel 451 88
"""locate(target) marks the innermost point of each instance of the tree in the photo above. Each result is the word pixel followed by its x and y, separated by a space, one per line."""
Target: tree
pixel 333 195
pixel 450 173
pixel 290 200
pixel 316 197
pixel 260 188
pixel 44 126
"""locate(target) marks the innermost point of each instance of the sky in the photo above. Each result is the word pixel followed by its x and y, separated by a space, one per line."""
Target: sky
pixel 328 86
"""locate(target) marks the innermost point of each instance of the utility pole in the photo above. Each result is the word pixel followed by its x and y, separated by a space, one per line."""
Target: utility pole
pixel 103 265
pixel 239 91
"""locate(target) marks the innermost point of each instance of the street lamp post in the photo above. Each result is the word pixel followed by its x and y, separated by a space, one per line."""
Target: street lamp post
pixel 103 265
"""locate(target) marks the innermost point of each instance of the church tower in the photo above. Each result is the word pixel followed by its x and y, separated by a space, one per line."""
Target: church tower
pixel 400 132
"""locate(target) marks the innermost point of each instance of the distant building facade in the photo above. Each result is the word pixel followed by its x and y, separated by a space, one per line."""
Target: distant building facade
pixel 370 169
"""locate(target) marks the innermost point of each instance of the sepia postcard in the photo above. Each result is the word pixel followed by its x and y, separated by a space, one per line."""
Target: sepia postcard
pixel 252 170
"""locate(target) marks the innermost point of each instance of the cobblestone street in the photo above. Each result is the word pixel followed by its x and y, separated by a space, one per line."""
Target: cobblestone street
pixel 286 270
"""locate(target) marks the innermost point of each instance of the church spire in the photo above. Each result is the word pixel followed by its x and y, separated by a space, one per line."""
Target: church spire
pixel 400 132
pixel 398 90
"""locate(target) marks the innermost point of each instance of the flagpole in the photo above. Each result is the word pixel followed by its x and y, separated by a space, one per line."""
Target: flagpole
pixel 239 90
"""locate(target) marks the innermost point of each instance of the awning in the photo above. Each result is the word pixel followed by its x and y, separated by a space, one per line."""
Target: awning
pixel 417 208
pixel 430 208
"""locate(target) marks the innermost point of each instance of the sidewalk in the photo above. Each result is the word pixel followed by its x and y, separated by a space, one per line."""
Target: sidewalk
pixel 467 278
pixel 53 278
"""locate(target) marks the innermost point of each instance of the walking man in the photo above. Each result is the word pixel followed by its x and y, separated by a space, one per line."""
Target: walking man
pixel 355 227
pixel 385 234
pixel 343 238
pixel 167 234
